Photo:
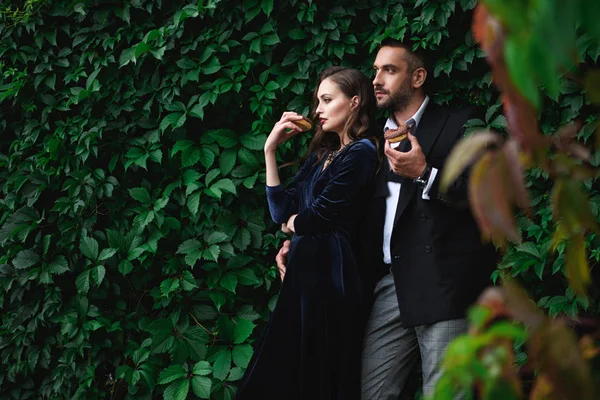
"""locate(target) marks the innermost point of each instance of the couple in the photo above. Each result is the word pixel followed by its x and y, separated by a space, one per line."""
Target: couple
pixel 373 239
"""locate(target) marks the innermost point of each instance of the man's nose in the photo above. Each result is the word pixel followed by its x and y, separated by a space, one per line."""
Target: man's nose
pixel 376 80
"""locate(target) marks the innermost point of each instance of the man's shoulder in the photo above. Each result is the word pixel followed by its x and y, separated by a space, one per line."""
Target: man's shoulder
pixel 462 112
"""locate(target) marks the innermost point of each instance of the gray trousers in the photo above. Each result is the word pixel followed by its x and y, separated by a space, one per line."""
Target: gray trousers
pixel 391 351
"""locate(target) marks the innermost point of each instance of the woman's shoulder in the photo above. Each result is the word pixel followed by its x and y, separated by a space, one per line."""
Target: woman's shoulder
pixel 363 145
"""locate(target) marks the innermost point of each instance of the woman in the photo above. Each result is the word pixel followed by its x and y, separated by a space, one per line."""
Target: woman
pixel 311 346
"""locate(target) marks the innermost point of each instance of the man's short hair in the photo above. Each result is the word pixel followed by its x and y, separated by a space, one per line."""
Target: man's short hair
pixel 414 58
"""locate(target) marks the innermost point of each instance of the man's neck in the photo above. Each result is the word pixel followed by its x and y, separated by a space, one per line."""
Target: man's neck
pixel 413 106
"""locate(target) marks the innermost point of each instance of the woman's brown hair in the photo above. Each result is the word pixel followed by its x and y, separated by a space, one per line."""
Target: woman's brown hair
pixel 351 82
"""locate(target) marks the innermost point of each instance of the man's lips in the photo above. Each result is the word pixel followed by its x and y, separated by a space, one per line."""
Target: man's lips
pixel 379 93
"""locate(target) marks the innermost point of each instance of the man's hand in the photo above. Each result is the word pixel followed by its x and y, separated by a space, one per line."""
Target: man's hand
pixel 281 258
pixel 285 229
pixel 290 224
pixel 410 164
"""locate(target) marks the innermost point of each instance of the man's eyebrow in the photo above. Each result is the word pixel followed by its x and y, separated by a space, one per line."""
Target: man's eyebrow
pixel 386 66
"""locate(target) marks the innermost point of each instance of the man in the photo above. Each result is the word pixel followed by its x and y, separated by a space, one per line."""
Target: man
pixel 422 251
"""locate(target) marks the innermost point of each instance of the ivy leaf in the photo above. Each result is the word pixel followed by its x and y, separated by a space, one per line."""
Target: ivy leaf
pixel 82 283
pixel 242 331
pixel 192 248
pixel 171 374
pixel 201 386
pixel 125 267
pixel 253 142
pixel 25 259
pixel 58 266
pixel 225 185
pixel 222 364
pixel 89 247
pixel 229 281
pixel 202 368
pixel 212 253
pixel 242 354
pixel 106 254
pixel 98 274
pixel 216 237
pixel 227 161
pixel 178 390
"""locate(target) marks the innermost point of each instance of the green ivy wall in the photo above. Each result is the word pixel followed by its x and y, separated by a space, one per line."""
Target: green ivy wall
pixel 136 251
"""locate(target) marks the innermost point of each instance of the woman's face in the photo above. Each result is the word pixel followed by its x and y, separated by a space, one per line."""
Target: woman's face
pixel 334 107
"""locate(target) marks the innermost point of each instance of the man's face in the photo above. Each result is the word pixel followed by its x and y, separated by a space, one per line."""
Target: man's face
pixel 393 80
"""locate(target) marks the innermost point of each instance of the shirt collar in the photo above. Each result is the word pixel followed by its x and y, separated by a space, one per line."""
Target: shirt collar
pixel 416 118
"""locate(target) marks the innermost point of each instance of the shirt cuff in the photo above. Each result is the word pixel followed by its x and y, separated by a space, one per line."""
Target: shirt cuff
pixel 425 195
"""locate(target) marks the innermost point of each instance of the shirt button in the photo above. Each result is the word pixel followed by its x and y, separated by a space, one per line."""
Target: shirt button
pixel 423 216
pixel 427 249
pixel 397 257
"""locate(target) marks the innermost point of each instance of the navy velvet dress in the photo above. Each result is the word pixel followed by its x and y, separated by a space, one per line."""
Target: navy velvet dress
pixel 312 344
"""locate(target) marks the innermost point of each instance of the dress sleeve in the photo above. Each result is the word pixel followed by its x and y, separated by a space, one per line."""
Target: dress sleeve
pixel 284 203
pixel 337 203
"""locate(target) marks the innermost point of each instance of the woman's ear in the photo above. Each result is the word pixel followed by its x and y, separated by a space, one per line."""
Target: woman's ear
pixel 418 77
pixel 354 102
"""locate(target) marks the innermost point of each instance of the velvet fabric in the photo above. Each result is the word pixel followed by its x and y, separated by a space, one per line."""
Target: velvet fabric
pixel 312 344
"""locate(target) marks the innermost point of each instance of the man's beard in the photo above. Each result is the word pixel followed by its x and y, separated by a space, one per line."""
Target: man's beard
pixel 399 100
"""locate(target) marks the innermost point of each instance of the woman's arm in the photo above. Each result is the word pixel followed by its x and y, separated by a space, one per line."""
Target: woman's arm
pixel 337 203
pixel 281 203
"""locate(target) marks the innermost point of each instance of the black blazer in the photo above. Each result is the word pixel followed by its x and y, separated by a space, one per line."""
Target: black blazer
pixel 439 263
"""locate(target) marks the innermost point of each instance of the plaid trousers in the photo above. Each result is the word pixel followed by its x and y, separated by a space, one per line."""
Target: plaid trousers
pixel 391 350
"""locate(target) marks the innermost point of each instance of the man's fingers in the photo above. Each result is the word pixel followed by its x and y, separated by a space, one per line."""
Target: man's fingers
pixel 414 142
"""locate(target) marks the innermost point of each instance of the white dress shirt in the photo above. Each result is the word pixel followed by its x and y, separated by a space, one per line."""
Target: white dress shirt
pixel 391 202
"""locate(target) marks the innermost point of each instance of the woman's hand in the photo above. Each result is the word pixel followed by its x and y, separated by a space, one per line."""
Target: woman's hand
pixel 283 130
pixel 290 223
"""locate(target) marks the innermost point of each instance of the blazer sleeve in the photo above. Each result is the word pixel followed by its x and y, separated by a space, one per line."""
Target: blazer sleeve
pixel 337 204
pixel 284 203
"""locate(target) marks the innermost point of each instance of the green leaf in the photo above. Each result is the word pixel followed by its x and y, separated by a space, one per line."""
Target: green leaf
pixel 216 237
pixel 170 374
pixel 212 253
pixel 253 142
pixel 140 194
pixel 243 330
pixel 106 254
pixel 89 247
pixel 229 281
pixel 178 390
pixel 242 354
pixel 225 185
pixel 98 274
pixel 125 267
pixel 172 120
pixel 58 266
pixel 82 283
pixel 227 161
pixel 25 259
pixel 202 368
pixel 181 145
pixel 192 248
pixel 222 364
pixel 201 386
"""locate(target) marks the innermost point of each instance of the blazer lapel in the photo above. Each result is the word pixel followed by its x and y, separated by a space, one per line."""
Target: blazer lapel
pixel 429 129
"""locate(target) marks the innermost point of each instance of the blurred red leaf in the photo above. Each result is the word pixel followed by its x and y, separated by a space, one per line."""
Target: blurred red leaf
pixel 520 306
pixel 488 31
pixel 522 121
pixel 464 153
pixel 556 353
pixel 577 266
pixel 515 175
